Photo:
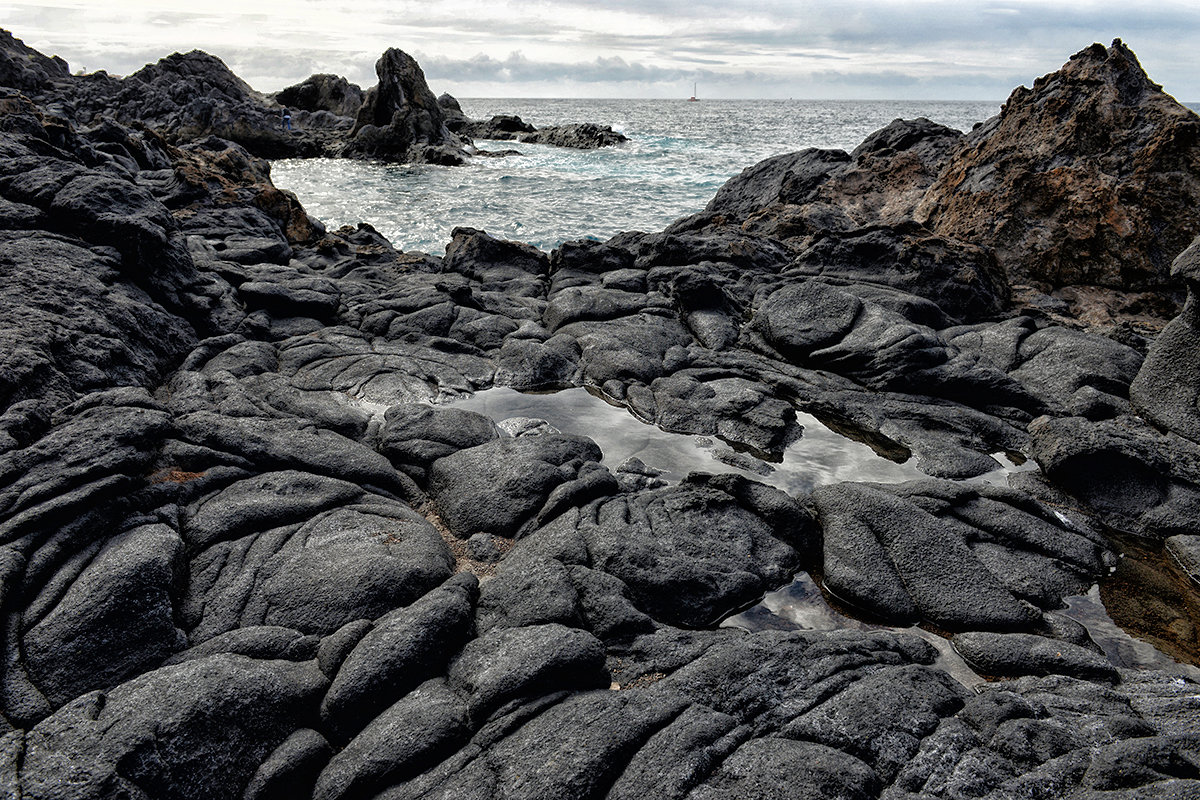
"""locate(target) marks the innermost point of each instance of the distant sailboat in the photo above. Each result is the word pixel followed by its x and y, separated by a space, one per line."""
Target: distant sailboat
pixel 692 99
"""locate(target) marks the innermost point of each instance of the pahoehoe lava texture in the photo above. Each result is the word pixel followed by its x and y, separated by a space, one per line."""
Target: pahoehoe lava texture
pixel 241 556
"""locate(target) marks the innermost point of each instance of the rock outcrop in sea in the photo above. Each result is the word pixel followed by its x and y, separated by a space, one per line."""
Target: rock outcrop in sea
pixel 400 118
pixel 507 127
pixel 243 555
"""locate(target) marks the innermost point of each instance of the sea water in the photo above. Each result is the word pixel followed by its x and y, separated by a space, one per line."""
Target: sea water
pixel 678 155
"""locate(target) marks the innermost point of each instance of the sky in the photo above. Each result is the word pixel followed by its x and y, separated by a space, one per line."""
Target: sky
pixel 873 49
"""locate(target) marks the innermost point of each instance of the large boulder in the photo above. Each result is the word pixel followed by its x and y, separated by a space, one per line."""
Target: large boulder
pixel 1090 177
pixel 400 119
pixel 331 93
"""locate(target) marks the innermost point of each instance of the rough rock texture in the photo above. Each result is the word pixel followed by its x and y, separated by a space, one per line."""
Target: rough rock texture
pixel 506 127
pixel 331 93
pixel 1166 390
pixel 400 119
pixel 249 548
pixel 26 69
pixel 187 96
pixel 1090 177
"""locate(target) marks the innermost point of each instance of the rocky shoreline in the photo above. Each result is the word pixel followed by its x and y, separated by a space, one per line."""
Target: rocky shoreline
pixel 242 555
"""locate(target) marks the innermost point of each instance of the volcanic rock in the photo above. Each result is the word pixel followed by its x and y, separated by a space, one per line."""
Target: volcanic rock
pixel 400 119
pixel 507 127
pixel 26 69
pixel 331 93
pixel 248 550
pixel 1090 177
pixel 187 96
pixel 1166 390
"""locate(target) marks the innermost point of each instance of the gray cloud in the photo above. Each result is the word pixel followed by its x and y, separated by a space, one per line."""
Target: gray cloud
pixel 865 48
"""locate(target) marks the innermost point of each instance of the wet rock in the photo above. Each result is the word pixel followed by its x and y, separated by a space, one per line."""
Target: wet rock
pixel 400 119
pixel 1083 179
pixel 1185 549
pixel 1026 654
pixel 581 136
pixel 507 127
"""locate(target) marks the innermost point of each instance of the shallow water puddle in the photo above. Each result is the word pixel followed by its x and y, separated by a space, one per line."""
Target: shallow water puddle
pixel 819 457
pixel 822 456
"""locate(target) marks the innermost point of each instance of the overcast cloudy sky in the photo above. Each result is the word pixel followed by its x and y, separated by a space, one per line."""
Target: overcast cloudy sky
pixel 921 49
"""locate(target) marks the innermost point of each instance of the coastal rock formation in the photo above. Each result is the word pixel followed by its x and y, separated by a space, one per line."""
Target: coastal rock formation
pixel 1090 177
pixel 1167 389
pixel 509 127
pixel 187 96
pixel 26 69
pixel 331 93
pixel 505 127
pixel 400 119
pixel 247 551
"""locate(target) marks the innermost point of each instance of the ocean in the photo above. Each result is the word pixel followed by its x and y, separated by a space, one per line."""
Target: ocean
pixel 680 153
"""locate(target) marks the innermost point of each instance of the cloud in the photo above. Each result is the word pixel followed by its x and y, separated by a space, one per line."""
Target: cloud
pixel 872 48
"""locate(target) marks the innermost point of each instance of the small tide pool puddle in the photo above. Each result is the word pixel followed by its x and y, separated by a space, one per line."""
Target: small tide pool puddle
pixel 819 457
pixel 822 456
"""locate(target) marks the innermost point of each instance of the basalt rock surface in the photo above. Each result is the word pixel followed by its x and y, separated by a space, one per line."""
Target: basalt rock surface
pixel 400 119
pixel 26 69
pixel 331 93
pixel 508 127
pixel 242 555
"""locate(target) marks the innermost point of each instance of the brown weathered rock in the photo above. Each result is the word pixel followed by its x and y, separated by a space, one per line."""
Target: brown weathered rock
pixel 400 120
pixel 1090 177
